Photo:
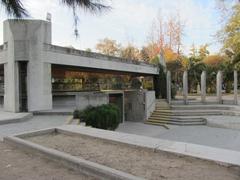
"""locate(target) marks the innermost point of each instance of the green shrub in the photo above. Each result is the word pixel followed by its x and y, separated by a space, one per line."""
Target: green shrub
pixel 163 82
pixel 102 117
pixel 173 91
pixel 76 114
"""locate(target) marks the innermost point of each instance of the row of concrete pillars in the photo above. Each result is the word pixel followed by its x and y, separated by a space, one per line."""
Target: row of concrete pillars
pixel 203 87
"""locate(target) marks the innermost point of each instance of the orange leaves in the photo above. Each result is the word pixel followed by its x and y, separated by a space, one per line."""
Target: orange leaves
pixel 213 60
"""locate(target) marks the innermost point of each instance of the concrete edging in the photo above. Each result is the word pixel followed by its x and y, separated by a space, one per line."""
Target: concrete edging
pixel 220 156
pixel 84 166
pixel 17 119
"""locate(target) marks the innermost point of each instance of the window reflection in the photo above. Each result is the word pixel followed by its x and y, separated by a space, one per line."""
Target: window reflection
pixel 71 80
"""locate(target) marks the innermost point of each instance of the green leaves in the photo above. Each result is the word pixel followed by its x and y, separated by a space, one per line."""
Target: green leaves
pixel 106 116
pixel 90 5
pixel 15 8
pixel 230 34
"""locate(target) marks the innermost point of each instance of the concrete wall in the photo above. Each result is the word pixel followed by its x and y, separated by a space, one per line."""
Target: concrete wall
pixel 93 99
pixel 149 103
pixel 1 101
pixel 3 58
pixel 64 101
pixel 139 105
pixel 66 56
pixel 79 100
pixel 135 106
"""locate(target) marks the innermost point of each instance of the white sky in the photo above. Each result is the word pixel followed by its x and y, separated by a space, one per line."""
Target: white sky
pixel 128 21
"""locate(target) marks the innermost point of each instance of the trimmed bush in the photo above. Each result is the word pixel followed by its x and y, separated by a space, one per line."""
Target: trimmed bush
pixel 102 117
pixel 76 114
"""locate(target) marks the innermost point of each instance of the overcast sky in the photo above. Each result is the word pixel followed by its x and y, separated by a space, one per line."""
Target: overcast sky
pixel 128 21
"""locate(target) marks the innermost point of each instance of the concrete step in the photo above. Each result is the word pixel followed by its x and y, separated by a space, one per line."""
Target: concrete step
pixel 160 107
pixel 161 114
pixel 176 119
pixel 157 124
pixel 200 107
pixel 176 123
pixel 189 113
pixel 163 110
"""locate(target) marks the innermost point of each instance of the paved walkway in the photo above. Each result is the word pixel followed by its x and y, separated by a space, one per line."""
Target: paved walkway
pixel 36 123
pixel 202 135
pixel 8 117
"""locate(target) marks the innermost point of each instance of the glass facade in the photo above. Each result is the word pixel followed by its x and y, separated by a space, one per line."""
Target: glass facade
pixel 66 80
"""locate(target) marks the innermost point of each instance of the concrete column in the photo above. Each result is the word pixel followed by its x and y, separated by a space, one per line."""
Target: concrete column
pixel 203 87
pixel 235 87
pixel 185 87
pixel 39 86
pixel 169 87
pixel 219 87
pixel 25 41
pixel 11 87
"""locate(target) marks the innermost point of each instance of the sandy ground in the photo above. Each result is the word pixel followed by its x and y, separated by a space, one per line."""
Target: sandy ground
pixel 17 165
pixel 138 161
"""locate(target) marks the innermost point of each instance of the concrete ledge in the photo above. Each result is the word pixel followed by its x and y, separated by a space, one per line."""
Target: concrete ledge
pixel 220 156
pixel 84 166
pixel 35 133
pixel 16 119
pixel 53 113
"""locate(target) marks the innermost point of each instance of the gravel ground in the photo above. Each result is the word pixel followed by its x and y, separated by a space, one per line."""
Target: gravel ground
pixel 18 165
pixel 138 161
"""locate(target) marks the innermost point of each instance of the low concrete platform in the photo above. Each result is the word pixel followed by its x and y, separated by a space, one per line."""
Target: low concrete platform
pixel 84 166
pixel 8 117
pixel 222 156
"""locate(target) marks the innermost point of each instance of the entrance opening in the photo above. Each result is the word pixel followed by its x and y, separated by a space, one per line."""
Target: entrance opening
pixel 23 87
pixel 117 100
pixel 1 85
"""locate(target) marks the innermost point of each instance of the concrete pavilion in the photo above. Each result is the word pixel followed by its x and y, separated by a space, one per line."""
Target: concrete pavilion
pixel 30 68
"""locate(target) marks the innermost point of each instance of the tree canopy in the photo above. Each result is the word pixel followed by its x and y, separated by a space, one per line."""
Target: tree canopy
pixel 15 8
pixel 230 34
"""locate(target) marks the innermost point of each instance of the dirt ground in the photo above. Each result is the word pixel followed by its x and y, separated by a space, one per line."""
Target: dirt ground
pixel 138 161
pixel 17 165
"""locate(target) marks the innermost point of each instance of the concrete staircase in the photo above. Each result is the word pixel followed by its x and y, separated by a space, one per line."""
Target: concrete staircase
pixel 164 115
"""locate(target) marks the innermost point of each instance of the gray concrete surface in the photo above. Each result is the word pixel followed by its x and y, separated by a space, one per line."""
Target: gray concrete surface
pixel 36 123
pixel 202 135
pixel 8 117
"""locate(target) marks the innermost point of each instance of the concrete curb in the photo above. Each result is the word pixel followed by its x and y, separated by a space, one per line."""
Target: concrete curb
pixel 84 166
pixel 52 113
pixel 17 119
pixel 220 156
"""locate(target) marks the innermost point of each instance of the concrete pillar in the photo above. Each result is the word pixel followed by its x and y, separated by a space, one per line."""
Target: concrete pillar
pixel 11 87
pixel 185 87
pixel 235 87
pixel 25 42
pixel 203 87
pixel 169 87
pixel 219 87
